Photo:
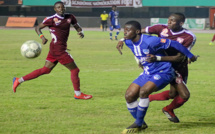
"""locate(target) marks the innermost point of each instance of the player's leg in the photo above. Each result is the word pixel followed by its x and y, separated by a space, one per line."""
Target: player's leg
pixel 50 63
pixel 103 26
pixel 179 100
pixel 67 60
pixel 117 32
pixel 212 41
pixel 111 32
pixel 151 84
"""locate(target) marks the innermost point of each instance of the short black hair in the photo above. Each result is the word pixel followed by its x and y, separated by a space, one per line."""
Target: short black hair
pixel 181 16
pixel 134 23
pixel 58 2
pixel 114 6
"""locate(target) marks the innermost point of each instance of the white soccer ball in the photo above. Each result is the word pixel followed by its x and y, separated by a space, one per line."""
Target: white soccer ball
pixel 31 49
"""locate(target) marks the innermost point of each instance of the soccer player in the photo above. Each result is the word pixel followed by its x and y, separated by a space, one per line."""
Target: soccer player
pixel 179 92
pixel 114 22
pixel 156 75
pixel 59 26
pixel 104 17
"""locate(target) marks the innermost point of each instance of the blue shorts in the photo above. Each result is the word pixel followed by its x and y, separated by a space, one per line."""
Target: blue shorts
pixel 160 79
pixel 114 27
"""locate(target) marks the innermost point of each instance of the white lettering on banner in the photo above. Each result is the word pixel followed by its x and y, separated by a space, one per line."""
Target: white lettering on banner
pixel 135 3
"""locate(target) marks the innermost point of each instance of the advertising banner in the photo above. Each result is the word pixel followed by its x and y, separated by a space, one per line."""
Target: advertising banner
pixel 103 3
pixel 21 21
pixel 10 2
pixel 189 23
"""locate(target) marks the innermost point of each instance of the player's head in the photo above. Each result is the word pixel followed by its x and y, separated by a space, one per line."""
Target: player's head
pixel 114 7
pixel 132 30
pixel 59 8
pixel 104 12
pixel 176 21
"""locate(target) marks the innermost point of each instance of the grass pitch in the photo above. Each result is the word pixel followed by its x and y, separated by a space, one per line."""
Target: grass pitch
pixel 46 105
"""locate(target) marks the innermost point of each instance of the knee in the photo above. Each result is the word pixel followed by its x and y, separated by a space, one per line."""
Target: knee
pixel 185 96
pixel 130 97
pixel 45 70
pixel 144 93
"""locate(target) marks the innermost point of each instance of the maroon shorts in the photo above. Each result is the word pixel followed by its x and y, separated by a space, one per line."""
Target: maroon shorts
pixel 63 57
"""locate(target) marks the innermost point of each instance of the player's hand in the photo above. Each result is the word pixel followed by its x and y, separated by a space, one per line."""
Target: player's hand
pixel 193 59
pixel 81 34
pixel 120 46
pixel 151 58
pixel 44 40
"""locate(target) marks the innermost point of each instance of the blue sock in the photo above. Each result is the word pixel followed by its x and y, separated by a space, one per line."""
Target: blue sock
pixel 141 111
pixel 132 108
pixel 117 33
pixel 110 35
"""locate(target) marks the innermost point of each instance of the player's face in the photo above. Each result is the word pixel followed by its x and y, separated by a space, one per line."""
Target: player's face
pixel 130 33
pixel 174 23
pixel 114 8
pixel 59 9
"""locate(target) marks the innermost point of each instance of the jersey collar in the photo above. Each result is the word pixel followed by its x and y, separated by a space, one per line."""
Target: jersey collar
pixel 59 16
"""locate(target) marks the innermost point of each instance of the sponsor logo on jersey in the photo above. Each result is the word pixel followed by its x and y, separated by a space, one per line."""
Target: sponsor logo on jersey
pixel 164 32
pixel 69 20
pixel 56 21
pixel 145 51
pixel 180 40
pixel 157 77
pixel 163 40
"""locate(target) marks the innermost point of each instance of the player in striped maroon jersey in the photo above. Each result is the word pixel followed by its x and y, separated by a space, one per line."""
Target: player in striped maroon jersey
pixel 59 27
pixel 178 90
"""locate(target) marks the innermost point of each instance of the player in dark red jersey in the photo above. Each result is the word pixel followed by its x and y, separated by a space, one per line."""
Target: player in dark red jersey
pixel 59 26
pixel 178 89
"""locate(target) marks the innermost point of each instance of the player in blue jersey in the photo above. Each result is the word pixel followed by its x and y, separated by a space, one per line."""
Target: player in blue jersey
pixel 114 22
pixel 156 75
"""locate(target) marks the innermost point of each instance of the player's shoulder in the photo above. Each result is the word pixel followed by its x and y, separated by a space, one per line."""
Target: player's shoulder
pixel 49 18
pixel 189 33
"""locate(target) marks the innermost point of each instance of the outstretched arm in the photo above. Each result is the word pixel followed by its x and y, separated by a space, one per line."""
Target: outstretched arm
pixel 177 58
pixel 79 30
pixel 39 32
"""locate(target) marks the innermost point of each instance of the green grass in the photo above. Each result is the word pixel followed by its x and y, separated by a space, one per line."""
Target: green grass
pixel 46 105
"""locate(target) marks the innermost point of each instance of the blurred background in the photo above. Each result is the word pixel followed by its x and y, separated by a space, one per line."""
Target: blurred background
pixel 199 13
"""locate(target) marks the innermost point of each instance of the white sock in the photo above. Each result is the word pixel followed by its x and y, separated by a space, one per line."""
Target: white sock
pixel 77 93
pixel 21 80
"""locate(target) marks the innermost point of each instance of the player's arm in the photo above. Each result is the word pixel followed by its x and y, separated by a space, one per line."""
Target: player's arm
pixel 143 30
pixel 40 34
pixel 79 30
pixel 183 50
pixel 177 58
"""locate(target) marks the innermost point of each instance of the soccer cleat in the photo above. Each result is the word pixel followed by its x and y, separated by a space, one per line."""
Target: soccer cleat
pixel 170 115
pixel 15 84
pixel 111 39
pixel 144 126
pixel 134 128
pixel 116 38
pixel 211 43
pixel 83 96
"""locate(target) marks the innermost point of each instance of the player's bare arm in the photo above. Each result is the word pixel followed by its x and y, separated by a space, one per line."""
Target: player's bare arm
pixel 177 58
pixel 143 30
pixel 79 30
pixel 39 32
pixel 120 45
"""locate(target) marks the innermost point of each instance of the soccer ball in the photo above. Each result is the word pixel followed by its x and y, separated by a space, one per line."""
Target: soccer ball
pixel 31 49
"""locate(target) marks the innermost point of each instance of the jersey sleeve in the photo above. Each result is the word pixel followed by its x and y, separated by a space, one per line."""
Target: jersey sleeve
pixel 190 42
pixel 161 44
pixel 47 21
pixel 156 29
pixel 73 20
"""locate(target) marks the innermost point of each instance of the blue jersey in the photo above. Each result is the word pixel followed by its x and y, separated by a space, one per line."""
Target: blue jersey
pixel 156 46
pixel 114 17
